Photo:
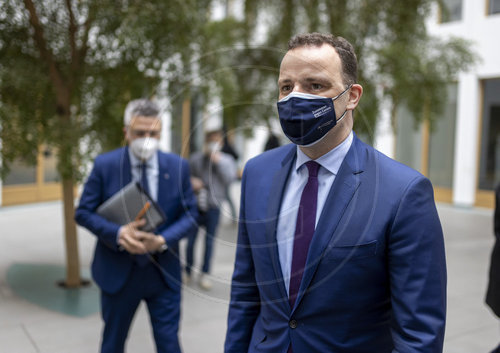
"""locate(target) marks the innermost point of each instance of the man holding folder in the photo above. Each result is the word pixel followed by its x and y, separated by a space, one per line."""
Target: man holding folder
pixel 130 264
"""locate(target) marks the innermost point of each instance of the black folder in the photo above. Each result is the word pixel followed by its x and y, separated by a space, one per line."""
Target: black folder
pixel 124 206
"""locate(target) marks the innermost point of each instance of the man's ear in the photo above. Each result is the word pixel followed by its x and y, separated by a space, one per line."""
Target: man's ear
pixel 355 94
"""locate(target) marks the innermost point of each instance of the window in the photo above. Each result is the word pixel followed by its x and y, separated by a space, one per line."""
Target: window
pixel 408 139
pixel 442 143
pixel 489 163
pixel 21 173
pixel 451 10
pixel 50 173
pixel 494 7
pixel 430 151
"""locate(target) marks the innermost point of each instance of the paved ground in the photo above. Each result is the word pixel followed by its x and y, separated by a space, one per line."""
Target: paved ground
pixel 33 234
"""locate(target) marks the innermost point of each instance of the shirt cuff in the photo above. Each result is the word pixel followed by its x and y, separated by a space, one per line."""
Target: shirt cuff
pixel 120 248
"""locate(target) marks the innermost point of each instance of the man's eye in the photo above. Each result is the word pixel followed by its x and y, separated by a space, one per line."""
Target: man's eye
pixel 285 88
pixel 316 86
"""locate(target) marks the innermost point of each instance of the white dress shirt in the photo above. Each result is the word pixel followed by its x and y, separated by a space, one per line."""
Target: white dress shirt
pixel 329 167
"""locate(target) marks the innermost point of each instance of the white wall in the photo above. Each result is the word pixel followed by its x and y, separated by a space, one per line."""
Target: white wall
pixel 385 140
pixel 466 141
pixel 166 132
pixel 476 26
pixel 1 184
pixel 483 31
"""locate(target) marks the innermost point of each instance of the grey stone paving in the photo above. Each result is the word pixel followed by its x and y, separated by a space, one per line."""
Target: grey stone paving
pixel 33 234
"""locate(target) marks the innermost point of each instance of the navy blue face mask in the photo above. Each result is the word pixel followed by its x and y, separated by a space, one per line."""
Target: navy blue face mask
pixel 306 118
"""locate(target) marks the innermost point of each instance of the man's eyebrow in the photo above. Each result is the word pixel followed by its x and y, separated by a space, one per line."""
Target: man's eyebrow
pixel 317 78
pixel 307 79
pixel 284 80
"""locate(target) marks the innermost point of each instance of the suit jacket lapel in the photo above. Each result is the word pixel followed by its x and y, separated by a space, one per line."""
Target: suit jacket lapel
pixel 125 168
pixel 345 185
pixel 276 196
pixel 164 180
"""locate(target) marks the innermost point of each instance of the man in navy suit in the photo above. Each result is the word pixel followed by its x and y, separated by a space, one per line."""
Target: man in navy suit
pixel 340 248
pixel 131 265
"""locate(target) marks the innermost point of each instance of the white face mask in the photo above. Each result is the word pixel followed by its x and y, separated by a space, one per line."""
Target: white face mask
pixel 301 95
pixel 144 148
pixel 213 147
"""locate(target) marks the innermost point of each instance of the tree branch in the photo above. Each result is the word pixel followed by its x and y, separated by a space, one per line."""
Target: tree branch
pixel 394 113
pixel 82 52
pixel 38 35
pixel 72 36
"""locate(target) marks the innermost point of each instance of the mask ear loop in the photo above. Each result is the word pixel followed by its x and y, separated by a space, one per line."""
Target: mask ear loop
pixel 338 96
pixel 336 121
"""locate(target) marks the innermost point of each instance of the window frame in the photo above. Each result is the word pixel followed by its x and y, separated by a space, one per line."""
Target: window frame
pixel 484 198
pixel 440 13
pixel 489 7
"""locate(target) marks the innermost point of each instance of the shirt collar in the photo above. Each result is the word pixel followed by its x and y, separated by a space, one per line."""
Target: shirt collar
pixel 332 160
pixel 136 162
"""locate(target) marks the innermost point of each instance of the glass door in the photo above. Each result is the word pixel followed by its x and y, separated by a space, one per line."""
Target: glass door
pixel 489 154
pixel 27 183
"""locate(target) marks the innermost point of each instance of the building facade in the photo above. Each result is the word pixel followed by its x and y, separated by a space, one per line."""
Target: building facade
pixel 461 155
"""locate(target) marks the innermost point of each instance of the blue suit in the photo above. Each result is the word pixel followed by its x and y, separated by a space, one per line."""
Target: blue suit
pixel 115 271
pixel 375 276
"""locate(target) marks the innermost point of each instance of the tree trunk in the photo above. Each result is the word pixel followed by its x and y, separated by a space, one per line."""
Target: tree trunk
pixel 394 114
pixel 71 242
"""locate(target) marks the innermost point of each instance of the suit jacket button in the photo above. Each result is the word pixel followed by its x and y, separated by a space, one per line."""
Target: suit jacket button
pixel 293 323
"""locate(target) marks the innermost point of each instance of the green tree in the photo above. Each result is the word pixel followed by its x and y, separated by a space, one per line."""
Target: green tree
pixel 398 59
pixel 67 69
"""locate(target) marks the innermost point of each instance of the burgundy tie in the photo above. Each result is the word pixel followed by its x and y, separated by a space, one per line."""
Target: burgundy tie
pixel 304 230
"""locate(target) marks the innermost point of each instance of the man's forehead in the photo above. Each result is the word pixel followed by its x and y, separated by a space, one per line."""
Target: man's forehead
pixel 145 122
pixel 313 59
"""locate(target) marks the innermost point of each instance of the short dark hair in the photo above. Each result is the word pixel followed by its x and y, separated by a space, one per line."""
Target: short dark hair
pixel 344 49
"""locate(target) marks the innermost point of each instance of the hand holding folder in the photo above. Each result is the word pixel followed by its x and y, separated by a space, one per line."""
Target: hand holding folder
pixel 132 203
pixel 129 237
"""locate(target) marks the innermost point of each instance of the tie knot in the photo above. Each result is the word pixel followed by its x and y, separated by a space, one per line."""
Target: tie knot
pixel 313 168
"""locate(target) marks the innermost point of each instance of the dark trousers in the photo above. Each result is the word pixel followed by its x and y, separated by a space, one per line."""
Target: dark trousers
pixel 208 220
pixel 118 310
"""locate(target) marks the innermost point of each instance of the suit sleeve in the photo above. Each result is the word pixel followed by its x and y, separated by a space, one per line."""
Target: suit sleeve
pixel 90 200
pixel 244 306
pixel 187 222
pixel 417 268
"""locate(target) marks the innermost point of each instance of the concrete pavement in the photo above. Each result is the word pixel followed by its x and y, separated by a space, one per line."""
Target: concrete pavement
pixel 33 234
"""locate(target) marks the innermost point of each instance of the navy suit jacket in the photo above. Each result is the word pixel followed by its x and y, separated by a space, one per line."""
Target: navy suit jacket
pixel 375 277
pixel 111 172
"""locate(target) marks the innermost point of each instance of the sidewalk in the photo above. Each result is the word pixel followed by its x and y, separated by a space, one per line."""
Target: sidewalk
pixel 33 234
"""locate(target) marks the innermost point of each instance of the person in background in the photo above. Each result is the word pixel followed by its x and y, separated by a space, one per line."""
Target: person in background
pixel 228 145
pixel 340 248
pixel 272 142
pixel 493 292
pixel 212 171
pixel 131 265
pixel 228 148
